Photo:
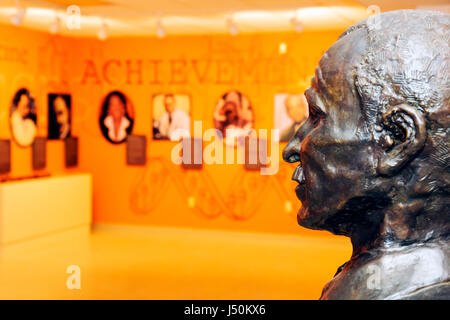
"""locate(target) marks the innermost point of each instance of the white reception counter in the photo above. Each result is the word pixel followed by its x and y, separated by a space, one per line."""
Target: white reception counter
pixel 36 207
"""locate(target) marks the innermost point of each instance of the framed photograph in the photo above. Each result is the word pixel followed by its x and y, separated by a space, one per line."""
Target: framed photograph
pixel 23 118
pixel 116 117
pixel 233 116
pixel 171 115
pixel 290 110
pixel 59 116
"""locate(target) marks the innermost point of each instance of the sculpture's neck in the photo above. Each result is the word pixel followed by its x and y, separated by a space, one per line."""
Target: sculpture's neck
pixel 404 223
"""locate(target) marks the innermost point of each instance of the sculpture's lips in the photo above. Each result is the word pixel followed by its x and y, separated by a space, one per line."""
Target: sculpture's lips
pixel 300 178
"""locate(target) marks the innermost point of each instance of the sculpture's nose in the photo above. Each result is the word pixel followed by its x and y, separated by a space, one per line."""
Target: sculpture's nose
pixel 291 152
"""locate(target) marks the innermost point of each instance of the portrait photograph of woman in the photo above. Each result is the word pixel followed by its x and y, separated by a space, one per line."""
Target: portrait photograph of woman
pixel 23 118
pixel 233 116
pixel 59 116
pixel 116 117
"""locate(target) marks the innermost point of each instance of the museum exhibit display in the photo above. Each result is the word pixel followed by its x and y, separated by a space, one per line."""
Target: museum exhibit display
pixel 240 157
pixel 374 161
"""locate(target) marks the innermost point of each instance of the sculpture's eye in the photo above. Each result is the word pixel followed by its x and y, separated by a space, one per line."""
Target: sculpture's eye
pixel 315 115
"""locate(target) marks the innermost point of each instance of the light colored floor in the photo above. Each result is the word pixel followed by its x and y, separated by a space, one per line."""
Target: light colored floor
pixel 120 262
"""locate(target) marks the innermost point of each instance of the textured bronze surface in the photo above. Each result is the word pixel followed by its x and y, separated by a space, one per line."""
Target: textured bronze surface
pixel 374 156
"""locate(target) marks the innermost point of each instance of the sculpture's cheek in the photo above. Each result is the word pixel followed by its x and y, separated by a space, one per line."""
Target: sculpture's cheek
pixel 334 172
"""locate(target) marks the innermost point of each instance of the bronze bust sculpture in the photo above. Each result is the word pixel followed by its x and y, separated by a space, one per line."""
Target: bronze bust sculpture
pixel 374 156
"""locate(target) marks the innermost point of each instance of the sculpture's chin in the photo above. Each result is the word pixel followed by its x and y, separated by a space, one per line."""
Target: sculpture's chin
pixel 313 220
pixel 308 220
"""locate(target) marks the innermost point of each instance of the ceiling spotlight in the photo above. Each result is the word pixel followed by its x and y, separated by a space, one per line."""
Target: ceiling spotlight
pixel 160 31
pixel 296 25
pixel 56 25
pixel 103 32
pixel 232 28
pixel 17 18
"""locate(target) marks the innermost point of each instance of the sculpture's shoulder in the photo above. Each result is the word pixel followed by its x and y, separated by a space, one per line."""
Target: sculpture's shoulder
pixel 440 291
pixel 418 272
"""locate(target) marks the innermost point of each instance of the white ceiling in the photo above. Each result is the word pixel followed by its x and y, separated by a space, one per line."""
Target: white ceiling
pixel 139 17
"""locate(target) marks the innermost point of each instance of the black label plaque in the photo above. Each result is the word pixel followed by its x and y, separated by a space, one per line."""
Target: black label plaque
pixel 39 153
pixel 5 156
pixel 71 151
pixel 255 158
pixel 192 150
pixel 136 150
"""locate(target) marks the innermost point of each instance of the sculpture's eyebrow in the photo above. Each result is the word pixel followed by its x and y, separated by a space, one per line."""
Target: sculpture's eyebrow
pixel 319 81
pixel 317 85
pixel 314 100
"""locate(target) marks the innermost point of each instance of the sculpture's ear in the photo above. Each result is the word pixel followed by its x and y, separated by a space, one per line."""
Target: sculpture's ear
pixel 404 135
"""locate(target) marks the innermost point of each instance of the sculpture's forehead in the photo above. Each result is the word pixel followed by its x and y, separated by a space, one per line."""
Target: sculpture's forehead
pixel 336 71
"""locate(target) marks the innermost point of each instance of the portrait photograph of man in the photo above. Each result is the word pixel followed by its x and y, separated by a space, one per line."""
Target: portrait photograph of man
pixel 59 116
pixel 23 118
pixel 290 111
pixel 171 116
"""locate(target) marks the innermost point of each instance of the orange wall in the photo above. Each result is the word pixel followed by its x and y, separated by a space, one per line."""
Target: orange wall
pixel 223 196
